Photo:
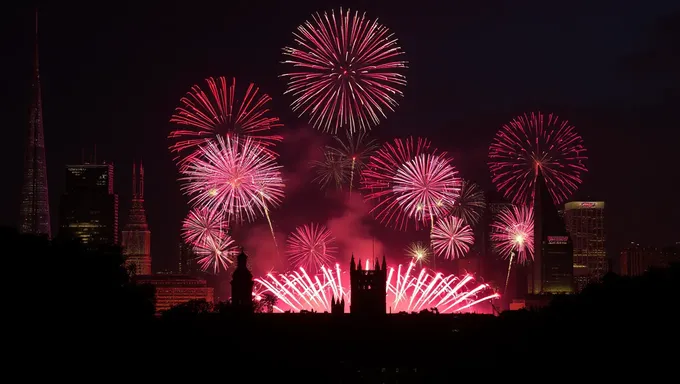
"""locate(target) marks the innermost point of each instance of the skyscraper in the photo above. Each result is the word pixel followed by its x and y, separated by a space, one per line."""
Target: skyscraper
pixel 552 269
pixel 136 235
pixel 585 223
pixel 35 205
pixel 88 209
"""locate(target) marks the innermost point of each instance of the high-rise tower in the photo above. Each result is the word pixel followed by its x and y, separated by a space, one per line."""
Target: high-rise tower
pixel 552 269
pixel 35 205
pixel 136 235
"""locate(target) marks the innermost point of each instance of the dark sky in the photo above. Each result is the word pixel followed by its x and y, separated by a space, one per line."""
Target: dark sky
pixel 112 77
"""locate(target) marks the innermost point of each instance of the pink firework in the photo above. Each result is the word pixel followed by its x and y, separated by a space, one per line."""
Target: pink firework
pixel 216 252
pixel 310 247
pixel 512 233
pixel 202 224
pixel 378 178
pixel 234 176
pixel 346 71
pixel 408 290
pixel 532 141
pixel 221 112
pixel 451 238
pixel 470 204
pixel 425 185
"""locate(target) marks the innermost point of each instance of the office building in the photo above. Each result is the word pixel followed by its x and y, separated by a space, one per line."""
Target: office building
pixel 88 209
pixel 172 290
pixel 585 224
pixel 553 266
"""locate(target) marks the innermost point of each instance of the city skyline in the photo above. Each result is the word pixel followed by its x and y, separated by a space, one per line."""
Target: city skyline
pixel 296 131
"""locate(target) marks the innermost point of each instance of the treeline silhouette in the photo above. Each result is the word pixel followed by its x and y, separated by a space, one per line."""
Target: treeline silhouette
pixel 63 296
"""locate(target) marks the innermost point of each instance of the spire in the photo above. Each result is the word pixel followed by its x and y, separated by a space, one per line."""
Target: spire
pixel 35 208
pixel 352 264
pixel 141 180
pixel 359 265
pixel 134 180
pixel 376 266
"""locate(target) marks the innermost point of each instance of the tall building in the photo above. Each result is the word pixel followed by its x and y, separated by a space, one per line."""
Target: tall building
pixel 553 266
pixel 136 235
pixel 187 264
pixel 172 290
pixel 368 288
pixel 242 285
pixel 35 205
pixel 88 209
pixel 585 224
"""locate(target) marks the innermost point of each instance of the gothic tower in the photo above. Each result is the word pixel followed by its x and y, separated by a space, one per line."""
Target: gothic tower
pixel 242 285
pixel 369 288
pixel 136 234
pixel 35 205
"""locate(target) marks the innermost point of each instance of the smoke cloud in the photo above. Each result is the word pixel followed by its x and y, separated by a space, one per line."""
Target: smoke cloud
pixel 352 231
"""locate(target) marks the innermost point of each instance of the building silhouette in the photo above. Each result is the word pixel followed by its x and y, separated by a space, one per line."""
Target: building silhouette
pixel 187 263
pixel 242 285
pixel 136 240
pixel 368 288
pixel 88 209
pixel 553 266
pixel 34 216
pixel 338 305
pixel 171 290
pixel 585 224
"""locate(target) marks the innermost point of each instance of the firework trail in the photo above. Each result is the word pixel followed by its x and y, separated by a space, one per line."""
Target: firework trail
pixel 418 253
pixel 532 141
pixel 332 169
pixel 236 177
pixel 356 150
pixel 512 235
pixel 451 238
pixel 345 71
pixel 425 185
pixel 378 178
pixel 221 112
pixel 470 204
pixel 408 290
pixel 310 247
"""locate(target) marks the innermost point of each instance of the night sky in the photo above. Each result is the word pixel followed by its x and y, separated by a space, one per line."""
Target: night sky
pixel 112 78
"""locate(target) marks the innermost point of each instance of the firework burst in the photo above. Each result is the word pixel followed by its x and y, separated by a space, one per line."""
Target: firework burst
pixel 216 252
pixel 332 170
pixel 310 247
pixel 418 253
pixel 470 204
pixel 451 238
pixel 378 178
pixel 425 185
pixel 512 232
pixel 408 290
pixel 202 224
pixel 537 141
pixel 234 176
pixel 346 71
pixel 222 112
pixel 356 150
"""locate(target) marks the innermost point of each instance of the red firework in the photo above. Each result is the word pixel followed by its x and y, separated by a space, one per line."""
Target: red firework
pixel 233 176
pixel 222 112
pixel 346 71
pixel 378 178
pixel 310 247
pixel 425 186
pixel 512 232
pixel 451 238
pixel 532 141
